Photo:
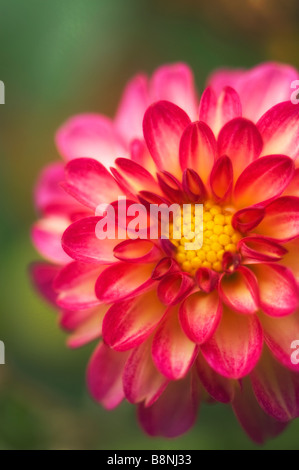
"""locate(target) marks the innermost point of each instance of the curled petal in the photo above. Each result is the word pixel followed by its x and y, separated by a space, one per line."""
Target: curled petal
pixel 247 219
pixel 193 185
pixel 104 376
pixel 128 323
pixel 207 279
pixel 174 412
pixel 174 287
pixel 142 381
pixel 199 315
pixel 173 353
pixel 198 149
pixel 276 388
pixel 170 186
pixel 141 251
pixel 80 242
pixel 217 112
pixel 260 249
pixel 92 136
pixel 241 141
pixel 235 348
pixel 279 128
pixel 263 180
pixel 123 281
pixel 281 221
pixel 278 289
pixel 163 125
pixel 164 267
pixel 239 290
pixel 221 179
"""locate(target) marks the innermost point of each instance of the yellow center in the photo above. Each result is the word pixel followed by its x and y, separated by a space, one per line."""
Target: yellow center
pixel 219 236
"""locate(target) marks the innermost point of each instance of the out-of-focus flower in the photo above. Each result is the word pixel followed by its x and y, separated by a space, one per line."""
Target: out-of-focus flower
pixel 183 326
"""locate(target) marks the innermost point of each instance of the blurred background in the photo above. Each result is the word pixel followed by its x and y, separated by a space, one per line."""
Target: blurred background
pixel 58 58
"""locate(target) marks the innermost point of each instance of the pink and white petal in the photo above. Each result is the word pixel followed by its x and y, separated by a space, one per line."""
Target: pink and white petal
pixel 174 287
pixel 263 180
pixel 75 285
pixel 281 220
pixel 81 243
pixel 260 249
pixel 135 177
pixel 133 104
pixel 235 348
pixel 175 83
pixel 239 290
pixel 137 251
pixel 216 112
pixel 173 353
pixel 279 334
pixel 222 178
pixel 278 290
pixel 124 281
pixel 104 376
pixel 42 275
pixel 279 128
pixel 256 423
pixel 198 149
pixel 259 88
pixel 89 330
pixel 92 136
pixel 174 413
pixel 293 187
pixel 128 323
pixel 241 141
pixel 46 236
pixel 219 387
pixel 199 315
pixel 90 182
pixel 141 380
pixel 276 388
pixel 163 126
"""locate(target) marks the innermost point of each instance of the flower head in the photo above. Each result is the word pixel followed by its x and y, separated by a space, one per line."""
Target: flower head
pixel 179 325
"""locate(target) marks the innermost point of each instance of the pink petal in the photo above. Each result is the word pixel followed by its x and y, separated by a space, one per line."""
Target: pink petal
pixel 173 353
pixel 170 186
pixel 260 249
pixel 235 348
pixel 279 128
pixel 207 279
pixel 141 380
pixel 163 125
pixel 75 285
pixel 46 236
pixel 104 376
pixel 90 183
pixel 263 180
pixel 128 323
pixel 92 136
pixel 281 221
pixel 174 287
pixel 173 413
pixel 290 259
pixel 81 243
pixel 198 149
pixel 259 88
pixel 293 187
pixel 222 178
pixel 165 266
pixel 241 141
pixel 278 290
pixel 133 176
pixel 256 423
pixel 123 281
pixel 279 334
pixel 141 251
pixel 239 290
pixel 89 330
pixel 175 83
pixel 193 186
pixel 216 112
pixel 42 275
pixel 276 388
pixel 199 315
pixel 220 388
pixel 140 154
pixel 247 219
pixel 135 100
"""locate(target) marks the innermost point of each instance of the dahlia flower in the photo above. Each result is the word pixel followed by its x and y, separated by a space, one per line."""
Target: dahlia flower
pixel 179 326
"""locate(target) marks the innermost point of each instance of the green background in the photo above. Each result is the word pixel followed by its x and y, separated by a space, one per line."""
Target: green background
pixel 58 58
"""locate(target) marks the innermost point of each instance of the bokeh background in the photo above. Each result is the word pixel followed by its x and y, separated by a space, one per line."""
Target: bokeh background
pixel 58 58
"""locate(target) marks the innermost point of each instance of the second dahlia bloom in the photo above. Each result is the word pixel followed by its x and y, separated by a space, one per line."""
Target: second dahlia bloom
pixel 182 326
